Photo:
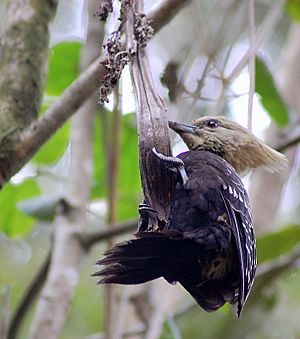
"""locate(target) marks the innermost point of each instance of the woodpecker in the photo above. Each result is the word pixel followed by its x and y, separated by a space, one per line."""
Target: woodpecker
pixel 234 143
pixel 208 246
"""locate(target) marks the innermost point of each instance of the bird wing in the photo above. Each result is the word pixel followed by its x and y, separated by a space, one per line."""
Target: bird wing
pixel 237 205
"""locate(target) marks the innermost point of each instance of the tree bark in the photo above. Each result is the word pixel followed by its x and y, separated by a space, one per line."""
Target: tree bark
pixel 152 124
pixel 23 63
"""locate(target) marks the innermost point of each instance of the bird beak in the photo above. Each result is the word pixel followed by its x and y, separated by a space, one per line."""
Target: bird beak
pixel 182 128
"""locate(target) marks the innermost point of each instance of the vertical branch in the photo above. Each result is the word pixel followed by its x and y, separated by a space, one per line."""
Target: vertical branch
pixel 28 298
pixel 151 119
pixel 268 24
pixel 68 251
pixel 251 30
pixel 112 192
pixel 114 157
pixel 4 314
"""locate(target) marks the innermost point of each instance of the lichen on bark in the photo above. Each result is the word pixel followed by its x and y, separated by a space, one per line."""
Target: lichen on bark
pixel 24 44
pixel 23 57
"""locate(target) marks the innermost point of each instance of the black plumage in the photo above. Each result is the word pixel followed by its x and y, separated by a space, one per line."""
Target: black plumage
pixel 208 245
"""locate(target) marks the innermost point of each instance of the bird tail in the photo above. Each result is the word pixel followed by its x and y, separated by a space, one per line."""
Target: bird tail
pixel 153 255
pixel 137 261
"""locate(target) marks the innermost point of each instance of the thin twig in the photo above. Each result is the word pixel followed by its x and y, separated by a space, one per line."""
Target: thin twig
pixel 122 312
pixel 114 159
pixel 201 82
pixel 251 30
pixel 4 315
pixel 174 328
pixel 265 30
pixel 112 190
pixel 88 239
pixel 164 12
pixel 28 298
pixel 158 314
pixel 290 140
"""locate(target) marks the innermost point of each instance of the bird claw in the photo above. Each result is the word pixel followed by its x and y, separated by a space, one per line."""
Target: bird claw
pixel 146 212
pixel 144 208
pixel 173 164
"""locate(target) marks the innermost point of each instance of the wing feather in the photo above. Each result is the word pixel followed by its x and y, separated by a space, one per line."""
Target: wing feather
pixel 237 205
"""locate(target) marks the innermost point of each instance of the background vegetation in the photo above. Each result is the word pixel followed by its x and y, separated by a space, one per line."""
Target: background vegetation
pixel 69 185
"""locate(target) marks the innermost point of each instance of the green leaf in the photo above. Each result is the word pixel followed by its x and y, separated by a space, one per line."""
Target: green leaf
pixel 63 67
pixel 274 244
pixel 292 8
pixel 129 179
pixel 12 221
pixel 269 95
pixel 54 149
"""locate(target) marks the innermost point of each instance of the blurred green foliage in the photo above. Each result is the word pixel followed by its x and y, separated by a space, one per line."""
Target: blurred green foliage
pixel 271 245
pixel 269 96
pixel 293 9
pixel 12 221
pixel 54 149
pixel 63 67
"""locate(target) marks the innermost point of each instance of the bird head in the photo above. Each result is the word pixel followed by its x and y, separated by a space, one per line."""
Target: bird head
pixel 231 141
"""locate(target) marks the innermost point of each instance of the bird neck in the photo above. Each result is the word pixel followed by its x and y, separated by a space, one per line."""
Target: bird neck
pixel 215 149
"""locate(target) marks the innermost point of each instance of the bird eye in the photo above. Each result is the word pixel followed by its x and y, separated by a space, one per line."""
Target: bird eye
pixel 212 123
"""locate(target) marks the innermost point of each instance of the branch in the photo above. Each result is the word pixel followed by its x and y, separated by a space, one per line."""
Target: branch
pixel 292 139
pixel 22 62
pixel 266 28
pixel 23 59
pixel 151 117
pixel 112 189
pixel 4 314
pixel 28 298
pixel 251 29
pixel 73 97
pixel 114 158
pixel 88 239
pixel 162 14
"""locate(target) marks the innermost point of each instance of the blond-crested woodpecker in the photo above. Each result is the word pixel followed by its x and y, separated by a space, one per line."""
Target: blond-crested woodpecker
pixel 209 245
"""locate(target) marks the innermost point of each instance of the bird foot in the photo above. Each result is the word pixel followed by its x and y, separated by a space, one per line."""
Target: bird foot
pixel 173 164
pixel 146 213
pixel 144 208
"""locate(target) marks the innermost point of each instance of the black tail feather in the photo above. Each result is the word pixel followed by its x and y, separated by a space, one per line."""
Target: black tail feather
pixel 139 260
